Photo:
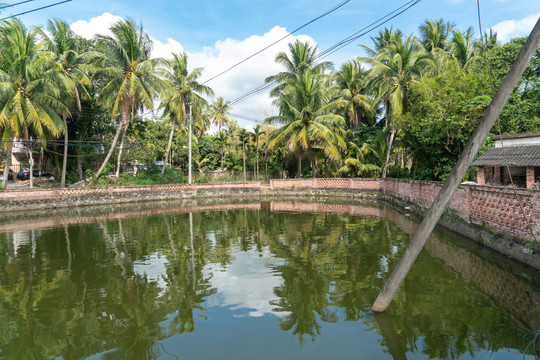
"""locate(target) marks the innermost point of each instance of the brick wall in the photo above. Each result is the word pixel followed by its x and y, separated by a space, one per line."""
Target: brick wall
pixel 496 207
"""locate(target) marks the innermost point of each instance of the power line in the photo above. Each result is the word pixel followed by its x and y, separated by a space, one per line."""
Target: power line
pixel 337 46
pixel 36 9
pixel 282 38
pixel 12 5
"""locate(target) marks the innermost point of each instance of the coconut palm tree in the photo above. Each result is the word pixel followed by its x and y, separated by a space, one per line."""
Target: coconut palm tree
pixel 244 137
pixel 393 68
pixel 351 82
pixel 310 125
pixel 462 47
pixel 182 88
pixel 29 87
pixel 302 57
pixel 220 112
pixel 130 78
pixel 73 68
pixel 257 133
pixel 435 34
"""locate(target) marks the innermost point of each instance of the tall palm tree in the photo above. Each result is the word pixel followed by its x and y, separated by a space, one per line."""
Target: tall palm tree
pixel 220 112
pixel 130 78
pixel 182 88
pixel 29 87
pixel 351 82
pixel 302 57
pixel 435 34
pixel 73 68
pixel 306 111
pixel 244 137
pixel 463 47
pixel 393 68
pixel 257 133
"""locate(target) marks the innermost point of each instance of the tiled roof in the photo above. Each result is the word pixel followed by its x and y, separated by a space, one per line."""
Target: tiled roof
pixel 526 155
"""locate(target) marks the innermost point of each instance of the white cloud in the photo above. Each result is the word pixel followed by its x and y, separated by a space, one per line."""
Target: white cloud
pixel 509 29
pixel 98 25
pixel 253 289
pixel 248 75
pixel 165 50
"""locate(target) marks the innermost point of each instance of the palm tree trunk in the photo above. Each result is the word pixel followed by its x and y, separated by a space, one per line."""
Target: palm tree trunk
pixel 257 160
pixel 388 150
pixel 113 146
pixel 79 163
pixel 64 161
pixel 7 166
pixel 121 150
pixel 313 164
pixel 299 165
pixel 31 161
pixel 244 156
pixel 168 146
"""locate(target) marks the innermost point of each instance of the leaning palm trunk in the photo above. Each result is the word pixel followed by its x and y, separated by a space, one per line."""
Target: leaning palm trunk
pixel 168 147
pixel 113 146
pixel 388 150
pixel 64 162
pixel 7 166
pixel 121 150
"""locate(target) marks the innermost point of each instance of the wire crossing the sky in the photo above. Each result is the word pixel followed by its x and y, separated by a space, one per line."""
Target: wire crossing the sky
pixel 33 10
pixel 282 38
pixel 337 46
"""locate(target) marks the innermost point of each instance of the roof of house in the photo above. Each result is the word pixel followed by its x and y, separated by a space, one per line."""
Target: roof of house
pixel 526 155
pixel 516 136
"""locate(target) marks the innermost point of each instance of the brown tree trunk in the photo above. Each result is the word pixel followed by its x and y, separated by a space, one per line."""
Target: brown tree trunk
pixel 388 150
pixel 168 146
pixel 7 165
pixel 64 161
pixel 113 146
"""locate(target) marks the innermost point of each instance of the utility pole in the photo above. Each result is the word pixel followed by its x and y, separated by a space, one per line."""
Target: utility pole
pixel 475 142
pixel 189 152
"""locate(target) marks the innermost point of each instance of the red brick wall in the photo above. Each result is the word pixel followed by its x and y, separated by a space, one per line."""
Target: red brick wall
pixel 496 207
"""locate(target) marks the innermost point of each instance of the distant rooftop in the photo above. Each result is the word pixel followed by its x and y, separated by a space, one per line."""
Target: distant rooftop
pixel 526 155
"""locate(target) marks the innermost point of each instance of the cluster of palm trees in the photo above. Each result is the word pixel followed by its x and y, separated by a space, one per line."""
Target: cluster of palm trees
pixel 318 109
pixel 51 82
pixel 44 77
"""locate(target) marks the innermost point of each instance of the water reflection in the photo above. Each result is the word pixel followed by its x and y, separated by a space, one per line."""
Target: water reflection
pixel 135 287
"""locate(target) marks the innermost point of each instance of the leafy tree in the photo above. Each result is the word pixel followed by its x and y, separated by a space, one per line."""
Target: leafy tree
pixel 182 88
pixel 220 112
pixel 130 78
pixel 29 87
pixel 395 66
pixel 310 123
pixel 351 82
pixel 73 67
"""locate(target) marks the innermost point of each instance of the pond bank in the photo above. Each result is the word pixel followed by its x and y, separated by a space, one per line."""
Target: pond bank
pixel 489 215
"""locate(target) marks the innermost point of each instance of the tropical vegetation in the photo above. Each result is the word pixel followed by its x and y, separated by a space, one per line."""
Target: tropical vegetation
pixel 106 109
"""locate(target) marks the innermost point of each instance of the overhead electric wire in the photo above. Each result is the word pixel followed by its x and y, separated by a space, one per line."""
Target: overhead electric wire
pixel 280 39
pixel 36 9
pixel 337 46
pixel 12 5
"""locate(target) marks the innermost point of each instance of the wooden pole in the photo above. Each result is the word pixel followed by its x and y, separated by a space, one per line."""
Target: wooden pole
pixel 475 142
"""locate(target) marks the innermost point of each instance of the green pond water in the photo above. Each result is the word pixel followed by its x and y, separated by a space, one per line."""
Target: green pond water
pixel 273 280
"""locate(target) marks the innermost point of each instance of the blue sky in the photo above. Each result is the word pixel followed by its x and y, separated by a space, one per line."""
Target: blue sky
pixel 217 34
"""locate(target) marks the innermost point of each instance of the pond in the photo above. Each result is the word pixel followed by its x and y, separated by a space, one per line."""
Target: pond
pixel 270 280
